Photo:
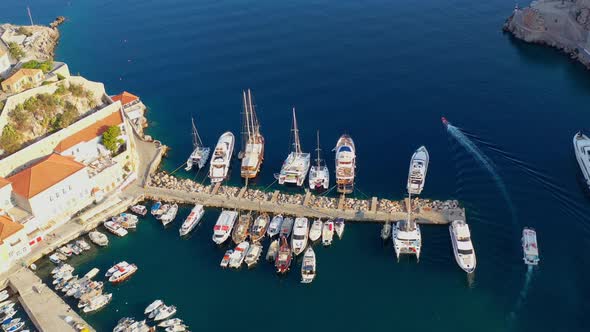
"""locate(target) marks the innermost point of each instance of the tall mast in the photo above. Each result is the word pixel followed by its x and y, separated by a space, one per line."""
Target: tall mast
pixel 296 143
pixel 246 126
pixel 408 228
pixel 253 118
pixel 196 138
pixel 318 149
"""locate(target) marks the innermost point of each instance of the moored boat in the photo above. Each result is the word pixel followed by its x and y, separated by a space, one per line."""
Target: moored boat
pixel 153 306
pixel 319 175
pixel 222 157
pixel 115 228
pixel 259 227
pixel 308 266
pixel 273 250
pixel 386 231
pixel 339 227
pixel 530 247
pixel 170 322
pixel 315 231
pixel 54 259
pixel 295 167
pixel 123 273
pixel 139 209
pixel 237 257
pixel 169 215
pixel 345 164
pixel 284 256
pixel 224 225
pixel 582 152
pixel 97 303
pixel 286 227
pixel 192 220
pixel 300 235
pixel 165 312
pixel 156 209
pixel 328 232
pixel 240 231
pixel 406 238
pixel 462 245
pixel 253 254
pixel 252 153
pixel 115 268
pixel 200 152
pixel 98 238
pixel 226 258
pixel 275 225
pixel 417 172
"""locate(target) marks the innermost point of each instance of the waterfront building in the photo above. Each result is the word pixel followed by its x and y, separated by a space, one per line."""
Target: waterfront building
pixel 4 63
pixel 23 79
pixel 5 195
pixel 14 243
pixel 132 106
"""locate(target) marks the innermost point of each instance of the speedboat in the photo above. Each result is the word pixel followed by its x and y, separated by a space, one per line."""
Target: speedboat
pixel 200 152
pixel 252 140
pixel 300 234
pixel 328 232
pixel 253 254
pixel 169 215
pixel 286 227
pixel 115 268
pixel 295 167
pixel 240 232
pixel 308 266
pixel 222 157
pixel 339 227
pixel 319 175
pixel 123 274
pixel 127 220
pixel 99 238
pixel 259 227
pixel 284 257
pixel 417 172
pixel 155 210
pixel 139 209
pixel 407 239
pixel 97 303
pixel 273 250
pixel 153 306
pixel 530 247
pixel 192 219
pixel 345 164
pixel 315 232
pixel 165 312
pixel 386 231
pixel 224 225
pixel 237 257
pixel 462 245
pixel 275 225
pixel 226 258
pixel 115 228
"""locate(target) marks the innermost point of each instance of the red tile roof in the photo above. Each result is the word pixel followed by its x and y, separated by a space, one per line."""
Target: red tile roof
pixel 3 182
pixel 8 227
pixel 94 130
pixel 125 98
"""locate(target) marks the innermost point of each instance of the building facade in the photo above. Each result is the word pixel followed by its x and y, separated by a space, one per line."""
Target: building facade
pixel 14 243
pixel 23 79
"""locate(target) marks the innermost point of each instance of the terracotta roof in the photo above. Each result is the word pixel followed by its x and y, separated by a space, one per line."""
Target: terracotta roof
pixel 94 130
pixel 125 98
pixel 20 74
pixel 8 227
pixel 43 175
pixel 2 52
pixel 3 182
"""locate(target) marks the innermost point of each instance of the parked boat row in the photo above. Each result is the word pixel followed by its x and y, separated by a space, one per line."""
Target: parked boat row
pixel 162 314
pixel 8 315
pixel 74 248
pixel 119 225
pixel 85 289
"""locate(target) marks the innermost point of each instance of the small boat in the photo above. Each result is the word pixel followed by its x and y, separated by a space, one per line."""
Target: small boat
pixel 273 250
pixel 156 209
pixel 300 235
pixel 127 220
pixel 66 251
pixel 284 256
pixel 308 267
pixel 315 232
pixel 221 159
pixel 339 227
pixel 200 152
pixel 462 245
pixel 386 231
pixel 319 175
pixel 92 273
pixel 240 231
pixel 530 247
pixel 170 322
pixel 61 256
pixel 75 249
pixel 345 164
pixel 153 306
pixel 165 312
pixel 115 228
pixel 295 167
pixel 224 225
pixel 169 215
pixel 139 209
pixel 275 225
pixel 97 303
pixel 286 227
pixel 54 259
pixel 253 254
pixel 15 328
pixel 83 245
pixel 123 274
pixel 8 315
pixel 115 268
pixel 9 322
pixel 98 238
pixel 226 258
pixel 192 220
pixel 328 233
pixel 259 227
pixel 582 152
pixel 237 257
pixel 176 328
pixel 252 153
pixel 417 172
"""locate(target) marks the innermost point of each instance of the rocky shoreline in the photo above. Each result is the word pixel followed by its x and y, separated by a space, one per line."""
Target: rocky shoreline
pixel 38 42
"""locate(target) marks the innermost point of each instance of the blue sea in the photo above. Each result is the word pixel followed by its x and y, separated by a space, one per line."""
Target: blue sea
pixel 383 72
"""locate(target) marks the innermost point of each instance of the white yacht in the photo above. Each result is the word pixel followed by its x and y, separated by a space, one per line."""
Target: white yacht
pixel 315 232
pixel 296 166
pixel 582 150
pixel 418 169
pixel 530 247
pixel 153 306
pixel 345 164
pixel 308 266
pixel 192 220
pixel 165 312
pixel 222 157
pixel 275 225
pixel 462 245
pixel 200 153
pixel 169 215
pixel 237 257
pixel 300 235
pixel 319 175
pixel 252 153
pixel 224 225
pixel 328 233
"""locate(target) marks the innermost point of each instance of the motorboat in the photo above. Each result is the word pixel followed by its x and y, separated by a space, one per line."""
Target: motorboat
pixel 295 167
pixel 153 306
pixel 170 322
pixel 123 273
pixel 462 245
pixel 300 235
pixel 319 175
pixel 226 258
pixel 417 172
pixel 284 256
pixel 156 209
pixel 308 267
pixel 345 164
pixel 221 159
pixel 240 231
pixel 177 328
pixel 127 220
pixel 386 231
pixel 98 238
pixel 237 257
pixel 192 220
pixel 252 153
pixel 200 152
pixel 328 232
pixel 253 254
pixel 315 232
pixel 339 227
pixel 54 259
pixel 286 227
pixel 275 225
pixel 224 225
pixel 115 268
pixel 259 227
pixel 139 209
pixel 169 215
pixel 273 250
pixel 407 239
pixel 97 303
pixel 14 328
pixel 92 273
pixel 66 250
pixel 582 152
pixel 83 245
pixel 115 228
pixel 530 247
pixel 165 312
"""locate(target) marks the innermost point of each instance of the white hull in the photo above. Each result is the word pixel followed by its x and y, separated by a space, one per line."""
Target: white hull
pixel 294 169
pixel 315 232
pixel 221 159
pixel 300 235
pixel 530 247
pixel 417 172
pixel 224 225
pixel 345 164
pixel 199 157
pixel 328 233
pixel 582 151
pixel 319 177
pixel 237 257
pixel 308 266
pixel 192 220
pixel 462 246
pixel 275 226
pixel 406 242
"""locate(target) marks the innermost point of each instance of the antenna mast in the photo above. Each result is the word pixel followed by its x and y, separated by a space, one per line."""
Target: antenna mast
pixel 30 16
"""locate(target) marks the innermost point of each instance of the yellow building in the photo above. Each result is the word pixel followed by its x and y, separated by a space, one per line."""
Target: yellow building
pixel 23 79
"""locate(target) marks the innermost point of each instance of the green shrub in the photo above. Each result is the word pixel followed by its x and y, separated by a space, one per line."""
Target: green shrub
pixel 10 141
pixel 60 77
pixel 61 89
pixel 45 66
pixel 15 51
pixel 20 117
pixel 76 90
pixel 111 140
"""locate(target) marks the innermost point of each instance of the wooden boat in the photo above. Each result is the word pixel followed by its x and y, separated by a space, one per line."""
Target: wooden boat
pixel 240 231
pixel 259 227
pixel 284 257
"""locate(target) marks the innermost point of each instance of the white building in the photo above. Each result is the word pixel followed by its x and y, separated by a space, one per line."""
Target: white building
pixel 14 243
pixel 4 63
pixel 5 195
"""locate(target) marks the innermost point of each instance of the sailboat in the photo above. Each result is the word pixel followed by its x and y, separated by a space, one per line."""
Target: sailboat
pixel 345 164
pixel 252 152
pixel 406 236
pixel 319 176
pixel 296 166
pixel 200 153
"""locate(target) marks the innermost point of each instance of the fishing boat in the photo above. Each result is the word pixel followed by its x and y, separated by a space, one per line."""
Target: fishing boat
pixel 153 306
pixel 115 268
pixel 139 209
pixel 200 152
pixel 308 267
pixel 296 166
pixel 123 274
pixel 284 256
pixel 224 225
pixel 286 227
pixel 273 250
pixel 155 210
pixel 530 247
pixel 226 258
pixel 315 232
pixel 192 220
pixel 165 312
pixel 339 227
pixel 97 303
pixel 386 231
pixel 345 164
pixel 417 172
pixel 259 227
pixel 222 157
pixel 300 235
pixel 169 215
pixel 275 225
pixel 98 238
pixel 240 232
pixel 462 245
pixel 115 228
pixel 237 257
pixel 328 232
pixel 252 153
pixel 253 254
pixel 319 175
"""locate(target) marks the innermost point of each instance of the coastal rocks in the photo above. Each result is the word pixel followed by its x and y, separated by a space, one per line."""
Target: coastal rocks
pixel 37 42
pixel 57 22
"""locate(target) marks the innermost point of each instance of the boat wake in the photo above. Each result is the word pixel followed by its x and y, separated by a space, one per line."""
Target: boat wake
pixel 523 293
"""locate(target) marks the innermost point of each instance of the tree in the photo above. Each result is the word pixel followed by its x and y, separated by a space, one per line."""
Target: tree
pixel 111 140
pixel 10 141
pixel 45 66
pixel 15 51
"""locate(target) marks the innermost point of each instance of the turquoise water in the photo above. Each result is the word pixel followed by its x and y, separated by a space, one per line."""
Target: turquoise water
pixel 384 72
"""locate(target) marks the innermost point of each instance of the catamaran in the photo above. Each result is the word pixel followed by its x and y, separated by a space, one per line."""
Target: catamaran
pixel 296 166
pixel 300 235
pixel 462 245
pixel 200 153
pixel 224 225
pixel 319 176
pixel 418 169
pixel 222 157
pixel 406 236
pixel 308 267
pixel 582 150
pixel 530 247
pixel 192 220
pixel 345 164
pixel 252 152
